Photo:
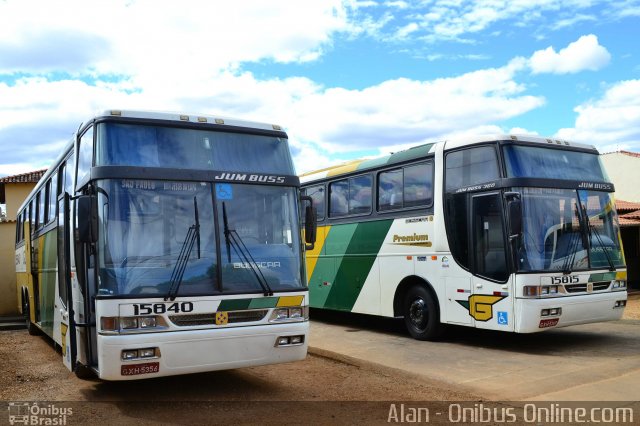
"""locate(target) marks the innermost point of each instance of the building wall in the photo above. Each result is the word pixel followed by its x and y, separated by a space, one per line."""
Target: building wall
pixel 623 171
pixel 15 194
pixel 8 298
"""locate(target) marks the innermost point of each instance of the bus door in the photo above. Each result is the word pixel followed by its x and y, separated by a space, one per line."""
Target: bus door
pixel 85 262
pixel 28 249
pixel 67 325
pixel 492 299
pixel 34 293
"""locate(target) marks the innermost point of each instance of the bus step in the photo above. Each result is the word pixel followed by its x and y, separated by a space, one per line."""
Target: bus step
pixel 12 323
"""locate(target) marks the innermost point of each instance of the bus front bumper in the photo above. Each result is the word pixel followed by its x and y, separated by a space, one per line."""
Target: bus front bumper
pixel 583 309
pixel 195 351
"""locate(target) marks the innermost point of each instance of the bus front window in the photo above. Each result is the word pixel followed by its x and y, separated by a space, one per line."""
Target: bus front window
pixel 554 238
pixel 144 228
pixel 260 248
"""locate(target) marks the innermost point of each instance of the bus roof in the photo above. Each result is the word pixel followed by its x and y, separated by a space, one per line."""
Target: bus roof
pixel 421 151
pixel 186 118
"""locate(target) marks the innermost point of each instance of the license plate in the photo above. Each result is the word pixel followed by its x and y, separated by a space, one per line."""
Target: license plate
pixel 548 322
pixel 134 369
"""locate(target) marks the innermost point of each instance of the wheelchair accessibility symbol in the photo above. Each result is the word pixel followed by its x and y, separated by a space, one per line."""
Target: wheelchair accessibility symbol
pixel 503 318
pixel 224 191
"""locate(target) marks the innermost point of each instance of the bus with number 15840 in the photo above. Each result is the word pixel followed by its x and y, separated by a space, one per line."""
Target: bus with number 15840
pixel 161 244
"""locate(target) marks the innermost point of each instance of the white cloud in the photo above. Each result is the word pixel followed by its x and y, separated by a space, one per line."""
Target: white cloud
pixel 160 39
pixel 611 122
pixel 584 54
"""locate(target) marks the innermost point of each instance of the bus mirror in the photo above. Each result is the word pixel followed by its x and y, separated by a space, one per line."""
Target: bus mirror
pixel 310 223
pixel 515 217
pixel 87 214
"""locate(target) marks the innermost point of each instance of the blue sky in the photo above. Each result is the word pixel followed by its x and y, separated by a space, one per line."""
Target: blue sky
pixel 346 78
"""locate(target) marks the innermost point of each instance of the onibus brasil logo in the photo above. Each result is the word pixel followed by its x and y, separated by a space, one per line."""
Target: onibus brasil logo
pixel 33 413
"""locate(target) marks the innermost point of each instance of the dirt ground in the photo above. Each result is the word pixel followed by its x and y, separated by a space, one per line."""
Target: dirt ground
pixel 330 391
pixel 632 311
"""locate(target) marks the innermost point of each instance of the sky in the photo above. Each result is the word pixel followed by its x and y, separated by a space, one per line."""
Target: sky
pixel 345 78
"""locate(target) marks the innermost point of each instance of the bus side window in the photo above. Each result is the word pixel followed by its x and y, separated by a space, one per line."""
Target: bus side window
pixel 338 204
pixel 32 216
pixel 317 196
pixel 418 185
pixel 390 191
pixel 471 166
pixel 360 194
pixel 68 175
pixel 53 199
pixel 39 208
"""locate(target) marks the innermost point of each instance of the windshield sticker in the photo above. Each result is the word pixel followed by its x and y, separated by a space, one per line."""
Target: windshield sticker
pixel 224 191
pixel 480 306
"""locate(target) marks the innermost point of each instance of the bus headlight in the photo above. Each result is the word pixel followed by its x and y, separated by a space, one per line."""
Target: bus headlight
pixel 297 313
pixel 131 324
pixel 127 323
pixel 146 322
pixel 619 285
pixel 537 291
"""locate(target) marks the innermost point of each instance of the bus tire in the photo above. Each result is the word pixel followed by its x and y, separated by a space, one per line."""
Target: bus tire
pixel 83 372
pixel 26 310
pixel 421 315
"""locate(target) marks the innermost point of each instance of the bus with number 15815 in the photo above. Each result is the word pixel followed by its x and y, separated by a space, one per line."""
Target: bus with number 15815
pixel 503 232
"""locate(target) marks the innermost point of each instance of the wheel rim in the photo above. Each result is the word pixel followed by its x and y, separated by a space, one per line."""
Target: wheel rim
pixel 418 313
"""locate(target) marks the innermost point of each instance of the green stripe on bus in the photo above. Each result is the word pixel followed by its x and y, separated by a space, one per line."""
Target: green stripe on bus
pixel 356 264
pixel 234 305
pixel 335 246
pixel 263 302
pixel 606 276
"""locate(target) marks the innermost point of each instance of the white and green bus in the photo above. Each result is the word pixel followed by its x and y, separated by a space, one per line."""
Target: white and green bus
pixel 161 244
pixel 503 232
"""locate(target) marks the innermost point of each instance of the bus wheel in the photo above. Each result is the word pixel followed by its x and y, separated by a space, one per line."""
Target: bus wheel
pixel 26 310
pixel 421 314
pixel 83 372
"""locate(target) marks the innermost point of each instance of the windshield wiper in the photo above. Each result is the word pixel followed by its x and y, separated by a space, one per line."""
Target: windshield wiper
pixel 572 247
pixel 192 237
pixel 233 239
pixel 593 230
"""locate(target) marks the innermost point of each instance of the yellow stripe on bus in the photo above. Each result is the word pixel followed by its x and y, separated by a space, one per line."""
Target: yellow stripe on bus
pixel 286 301
pixel 312 255
pixel 346 168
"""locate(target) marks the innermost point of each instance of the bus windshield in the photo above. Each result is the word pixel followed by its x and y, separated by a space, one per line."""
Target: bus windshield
pixel 148 234
pixel 550 163
pixel 172 147
pixel 567 230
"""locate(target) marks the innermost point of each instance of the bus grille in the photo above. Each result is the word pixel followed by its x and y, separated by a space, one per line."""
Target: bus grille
pixel 602 285
pixel 210 319
pixel 576 288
